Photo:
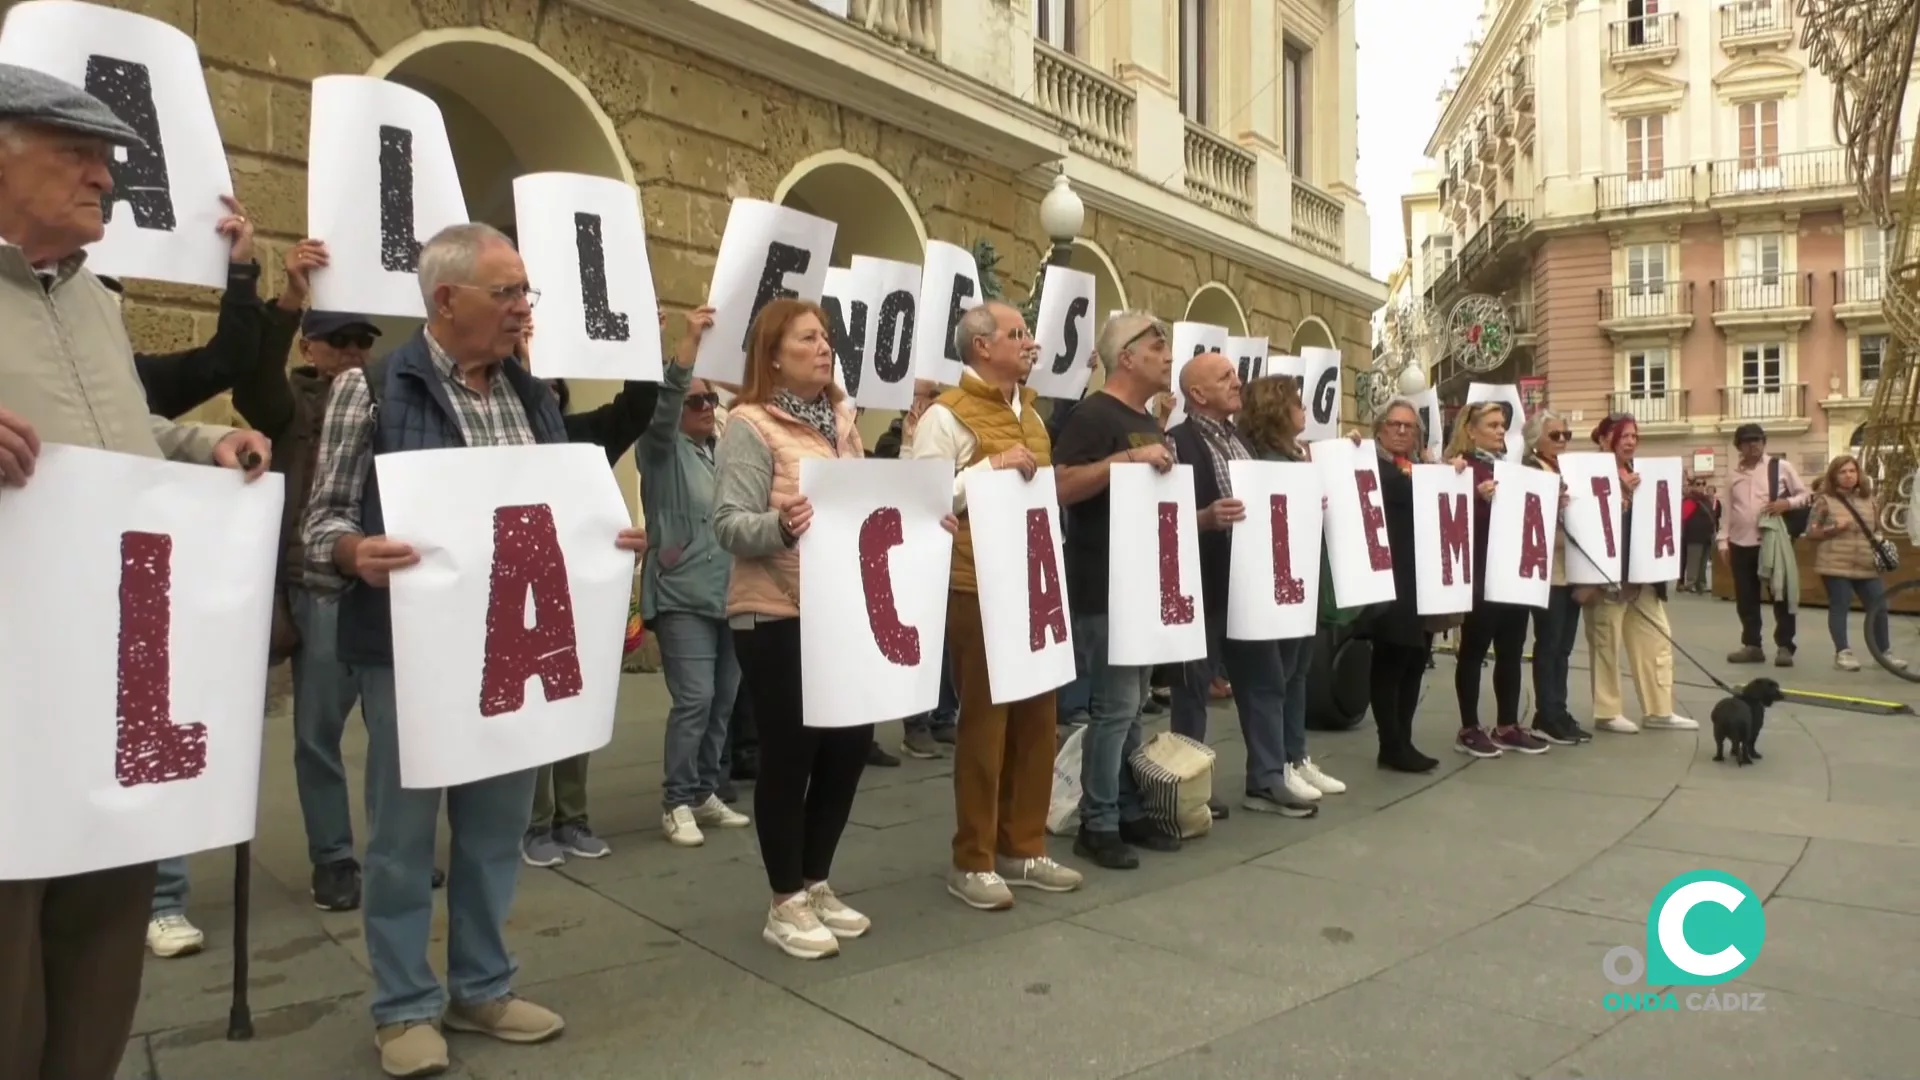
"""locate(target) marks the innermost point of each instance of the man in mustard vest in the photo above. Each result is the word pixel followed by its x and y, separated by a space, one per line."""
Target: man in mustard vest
pixel 1003 754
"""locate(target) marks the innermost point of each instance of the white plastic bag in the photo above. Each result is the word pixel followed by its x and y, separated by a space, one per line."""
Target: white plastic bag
pixel 1063 813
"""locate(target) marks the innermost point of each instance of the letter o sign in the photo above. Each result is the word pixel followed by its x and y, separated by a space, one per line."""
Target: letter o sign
pixel 1636 965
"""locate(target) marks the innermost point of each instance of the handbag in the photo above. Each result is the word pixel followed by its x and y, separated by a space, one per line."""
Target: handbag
pixel 1886 557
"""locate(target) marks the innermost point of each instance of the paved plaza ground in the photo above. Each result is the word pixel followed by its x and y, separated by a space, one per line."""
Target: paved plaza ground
pixel 1439 927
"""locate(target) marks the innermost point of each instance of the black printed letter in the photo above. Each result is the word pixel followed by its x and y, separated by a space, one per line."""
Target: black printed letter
pixel 141 180
pixel 603 323
pixel 782 259
pixel 1071 336
pixel 893 338
pixel 962 290
pixel 399 249
pixel 849 341
pixel 1326 396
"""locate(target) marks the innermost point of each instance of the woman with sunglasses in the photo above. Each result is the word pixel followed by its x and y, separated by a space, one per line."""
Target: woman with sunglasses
pixel 1547 436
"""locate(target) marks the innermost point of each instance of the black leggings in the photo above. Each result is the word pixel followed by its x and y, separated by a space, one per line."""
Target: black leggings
pixel 1396 674
pixel 1504 627
pixel 808 776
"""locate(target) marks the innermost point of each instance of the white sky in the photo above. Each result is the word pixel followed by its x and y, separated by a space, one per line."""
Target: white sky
pixel 1406 51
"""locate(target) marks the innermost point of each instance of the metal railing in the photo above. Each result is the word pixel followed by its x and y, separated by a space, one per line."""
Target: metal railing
pixel 1859 285
pixel 1219 174
pixel 1630 191
pixel 1319 221
pixel 1643 33
pixel 1762 292
pixel 1646 300
pixel 1653 405
pixel 1748 18
pixel 1096 108
pixel 1804 170
pixel 1764 399
pixel 913 24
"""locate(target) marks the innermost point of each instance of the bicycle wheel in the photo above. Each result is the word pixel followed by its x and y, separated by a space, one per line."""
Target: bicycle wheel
pixel 1901 654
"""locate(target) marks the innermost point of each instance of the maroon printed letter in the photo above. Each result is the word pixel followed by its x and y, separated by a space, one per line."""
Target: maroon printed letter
pixel 527 561
pixel 1045 609
pixel 879 534
pixel 1603 490
pixel 1175 609
pixel 1455 528
pixel 1378 553
pixel 1533 539
pixel 149 748
pixel 1287 589
pixel 1662 521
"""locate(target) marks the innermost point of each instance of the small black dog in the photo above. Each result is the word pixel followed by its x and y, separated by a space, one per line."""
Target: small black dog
pixel 1738 720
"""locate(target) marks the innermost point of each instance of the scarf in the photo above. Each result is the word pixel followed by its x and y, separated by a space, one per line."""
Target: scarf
pixel 816 414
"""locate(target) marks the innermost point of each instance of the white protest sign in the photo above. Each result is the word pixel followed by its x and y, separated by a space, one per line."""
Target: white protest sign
pixel 585 247
pixel 1358 551
pixel 886 382
pixel 133 659
pixel 1443 502
pixel 1018 568
pixel 1508 397
pixel 380 183
pixel 1654 557
pixel 1293 367
pixel 1427 404
pixel 507 635
pixel 767 252
pixel 847 299
pixel 1064 330
pixel 1154 607
pixel 1249 356
pixel 873 588
pixel 1273 589
pixel 1520 535
pixel 949 287
pixel 1324 378
pixel 166 195
pixel 1596 539
pixel 1191 339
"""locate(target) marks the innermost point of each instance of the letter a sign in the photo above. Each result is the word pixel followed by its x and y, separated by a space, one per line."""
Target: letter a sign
pixel 507 635
pixel 1014 525
pixel 133 658
pixel 873 588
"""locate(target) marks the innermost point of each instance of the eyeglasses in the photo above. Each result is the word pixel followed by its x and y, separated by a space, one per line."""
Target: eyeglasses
pixel 507 294
pixel 1560 436
pixel 1396 425
pixel 702 402
pixel 340 339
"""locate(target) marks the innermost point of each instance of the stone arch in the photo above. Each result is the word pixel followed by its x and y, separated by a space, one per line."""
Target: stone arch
pixel 875 214
pixel 1312 332
pixel 1109 291
pixel 1215 305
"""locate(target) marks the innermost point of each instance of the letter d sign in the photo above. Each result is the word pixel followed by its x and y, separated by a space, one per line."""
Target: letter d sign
pixel 1705 928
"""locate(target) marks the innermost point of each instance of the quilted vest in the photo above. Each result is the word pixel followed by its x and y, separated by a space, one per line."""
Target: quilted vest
pixel 770 586
pixel 994 427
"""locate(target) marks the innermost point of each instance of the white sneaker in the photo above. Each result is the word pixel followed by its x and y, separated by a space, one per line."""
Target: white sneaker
pixel 794 929
pixel 1619 725
pixel 173 935
pixel 1325 784
pixel 839 919
pixel 1676 722
pixel 1297 785
pixel 1844 660
pixel 680 828
pixel 718 815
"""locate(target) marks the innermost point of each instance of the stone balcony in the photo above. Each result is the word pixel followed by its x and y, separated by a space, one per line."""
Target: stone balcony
pixel 1097 109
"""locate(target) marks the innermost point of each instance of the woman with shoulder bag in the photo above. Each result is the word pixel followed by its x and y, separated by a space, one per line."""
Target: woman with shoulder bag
pixel 1850 556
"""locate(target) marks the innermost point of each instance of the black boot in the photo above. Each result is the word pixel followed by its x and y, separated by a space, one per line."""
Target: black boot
pixel 1105 849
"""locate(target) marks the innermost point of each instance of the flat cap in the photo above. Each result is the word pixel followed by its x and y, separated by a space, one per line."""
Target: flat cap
pixel 34 97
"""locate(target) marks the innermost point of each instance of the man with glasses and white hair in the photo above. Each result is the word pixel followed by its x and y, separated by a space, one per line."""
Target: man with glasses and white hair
pixel 455 383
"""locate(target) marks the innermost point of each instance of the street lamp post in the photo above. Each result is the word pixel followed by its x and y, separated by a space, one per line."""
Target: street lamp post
pixel 1061 214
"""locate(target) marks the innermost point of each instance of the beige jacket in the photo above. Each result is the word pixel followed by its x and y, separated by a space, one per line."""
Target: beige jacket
pixel 67 368
pixel 1846 554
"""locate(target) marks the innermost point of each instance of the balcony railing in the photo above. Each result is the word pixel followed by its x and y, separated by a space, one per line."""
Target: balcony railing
pixel 1652 405
pixel 1644 190
pixel 1859 285
pixel 1643 34
pixel 1219 174
pixel 908 23
pixel 1764 399
pixel 1646 300
pixel 1319 221
pixel 1755 18
pixel 1096 109
pixel 1806 170
pixel 1762 292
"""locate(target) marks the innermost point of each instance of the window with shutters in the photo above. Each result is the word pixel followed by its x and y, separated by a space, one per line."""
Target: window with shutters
pixel 1646 269
pixel 1053 23
pixel 1760 258
pixel 1873 353
pixel 1762 368
pixel 1646 147
pixel 1760 135
pixel 1293 79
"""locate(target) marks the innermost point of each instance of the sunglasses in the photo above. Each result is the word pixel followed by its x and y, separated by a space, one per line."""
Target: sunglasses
pixel 1560 436
pixel 702 402
pixel 341 339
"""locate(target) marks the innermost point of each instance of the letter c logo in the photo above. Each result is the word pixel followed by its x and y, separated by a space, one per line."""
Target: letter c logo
pixel 1734 920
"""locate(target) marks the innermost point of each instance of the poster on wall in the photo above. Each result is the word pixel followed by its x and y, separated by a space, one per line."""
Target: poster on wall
pixel 767 252
pixel 585 247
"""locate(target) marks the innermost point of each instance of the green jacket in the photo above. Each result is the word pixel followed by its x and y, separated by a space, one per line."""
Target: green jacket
pixel 686 569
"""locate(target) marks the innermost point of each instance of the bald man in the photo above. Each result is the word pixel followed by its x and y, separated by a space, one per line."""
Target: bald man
pixel 1208 441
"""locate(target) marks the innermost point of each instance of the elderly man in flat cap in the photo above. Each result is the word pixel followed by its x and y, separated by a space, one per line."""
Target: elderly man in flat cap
pixel 71 948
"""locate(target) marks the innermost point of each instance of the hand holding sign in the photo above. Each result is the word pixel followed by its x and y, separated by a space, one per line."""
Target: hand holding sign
pixel 1019 459
pixel 302 260
pixel 699 321
pixel 19 449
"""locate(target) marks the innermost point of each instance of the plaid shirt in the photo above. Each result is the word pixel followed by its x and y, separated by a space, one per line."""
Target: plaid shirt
pixel 1223 444
pixel 495 418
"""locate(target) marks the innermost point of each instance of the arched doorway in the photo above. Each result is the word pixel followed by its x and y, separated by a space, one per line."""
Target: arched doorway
pixel 1215 305
pixel 510 110
pixel 876 218
pixel 1314 333
pixel 1109 293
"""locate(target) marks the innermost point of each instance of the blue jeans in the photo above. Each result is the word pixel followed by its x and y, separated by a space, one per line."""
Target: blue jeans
pixel 323 695
pixel 488 818
pixel 1296 656
pixel 1840 593
pixel 947 713
pixel 1074 699
pixel 1108 793
pixel 1192 689
pixel 170 888
pixel 1554 629
pixel 703 678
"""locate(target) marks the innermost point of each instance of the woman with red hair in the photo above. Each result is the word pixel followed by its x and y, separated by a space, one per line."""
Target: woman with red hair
pixel 1633 616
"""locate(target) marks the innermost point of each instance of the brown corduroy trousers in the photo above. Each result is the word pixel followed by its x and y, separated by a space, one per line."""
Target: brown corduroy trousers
pixel 1003 754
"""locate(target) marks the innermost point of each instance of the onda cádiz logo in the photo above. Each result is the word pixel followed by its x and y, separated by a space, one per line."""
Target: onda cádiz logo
pixel 1705 928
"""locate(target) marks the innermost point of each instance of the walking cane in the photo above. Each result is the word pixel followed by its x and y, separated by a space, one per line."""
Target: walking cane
pixel 240 1015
